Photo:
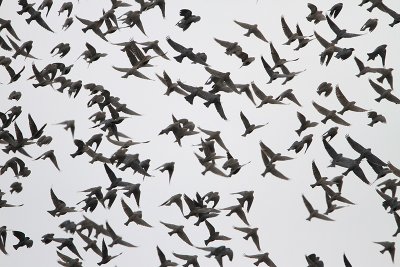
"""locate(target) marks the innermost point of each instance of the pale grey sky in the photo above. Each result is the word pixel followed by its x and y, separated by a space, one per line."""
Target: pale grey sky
pixel 278 210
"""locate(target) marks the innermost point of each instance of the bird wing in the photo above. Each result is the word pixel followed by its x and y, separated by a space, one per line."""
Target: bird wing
pixel 312 8
pixel 244 120
pixel 128 211
pixel 54 160
pixel 321 109
pixel 177 47
pixel 339 120
pixel 278 174
pixel 113 235
pixel 333 25
pixel 110 173
pixel 321 40
pixel 42 23
pixel 286 28
pixel 257 91
pixel 225 44
pixel 274 53
pixel 308 204
pixel 329 149
pixel 169 225
pixel 316 172
pixel 184 237
pixel 210 227
pixel 19 235
pixel 360 64
pixel 161 255
pixel 264 157
pixel 301 118
pixel 340 96
pixel 188 88
pixel 394 170
pixel 266 150
pixel 91 49
pixel 57 202
pixel 356 146
pixel 243 25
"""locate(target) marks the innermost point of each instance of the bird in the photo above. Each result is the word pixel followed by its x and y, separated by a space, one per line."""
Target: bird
pixel 60 207
pixel 384 93
pixel 214 235
pixel 239 211
pixel 190 259
pixel 335 10
pixel 340 33
pixel 251 29
pixel 370 24
pixel 177 229
pixel 271 155
pixel 49 154
pixel 186 52
pixel 90 55
pixel 69 125
pixel 163 259
pixel 325 88
pixel 375 118
pixel 23 240
pixel 329 115
pixel 264 257
pixel 313 212
pixel 169 166
pixel 347 105
pixel 304 123
pixel 249 128
pixel 250 232
pixel 289 95
pixel 63 49
pixel 270 167
pixel 177 199
pixel 388 246
pixel 116 239
pixel 187 20
pixel 315 14
pixel 379 51
pixel 332 132
pixel 105 257
pixel 291 36
pixel 133 216
pixel 263 97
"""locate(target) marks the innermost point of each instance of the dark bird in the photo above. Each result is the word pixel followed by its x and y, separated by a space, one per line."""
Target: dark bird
pixel 6 24
pixel 187 20
pixel 177 199
pixel 291 36
pixel 94 26
pixel 379 51
pixel 251 29
pixel 214 235
pixel 263 97
pixel 340 33
pixel 250 232
pixel 249 128
pixel 116 239
pixel 44 4
pixel 177 229
pixel 190 259
pixel 260 258
pixel 69 125
pixel 329 115
pixel 289 95
pixel 67 23
pixel 370 24
pixel 347 105
pixel 90 55
pixel 330 49
pixel 169 166
pixel 375 118
pixel 271 155
pixel 63 49
pixel 270 167
pixel 60 206
pixel 315 14
pixel 335 10
pixel 66 6
pixel 364 152
pixel 384 93
pixel 49 154
pixel 23 240
pixel 304 123
pixel 239 211
pixel 163 259
pixel 105 257
pixel 332 132
pixel 313 212
pixel 325 88
pixel 135 217
pixel 200 58
pixel 388 246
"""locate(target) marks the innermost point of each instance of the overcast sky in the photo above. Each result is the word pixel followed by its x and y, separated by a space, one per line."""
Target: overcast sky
pixel 278 210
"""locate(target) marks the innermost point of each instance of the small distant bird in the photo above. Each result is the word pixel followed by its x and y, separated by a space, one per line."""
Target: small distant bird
pixel 69 125
pixel 375 118
pixel 239 211
pixel 270 167
pixel 49 154
pixel 190 259
pixel 135 217
pixel 60 206
pixel 304 123
pixel 379 51
pixel 250 232
pixel 260 258
pixel 105 257
pixel 163 259
pixel 249 128
pixel 384 93
pixel 187 20
pixel 289 95
pixel 335 10
pixel 329 115
pixel 23 240
pixel 388 246
pixel 213 234
pixel 347 105
pixel 169 166
pixel 315 14
pixel 332 132
pixel 63 49
pixel 370 24
pixel 90 55
pixel 67 23
pixel 325 88
pixel 177 229
pixel 251 29
pixel 67 6
pixel 313 212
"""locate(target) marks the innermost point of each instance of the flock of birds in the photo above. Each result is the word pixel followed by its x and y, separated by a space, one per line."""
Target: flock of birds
pixel 211 151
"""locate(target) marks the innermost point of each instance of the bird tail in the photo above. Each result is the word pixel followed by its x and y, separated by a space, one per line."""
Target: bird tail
pixel 371 56
pixel 16 247
pixel 179 58
pixel 380 79
pixel 189 98
pixel 298 132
